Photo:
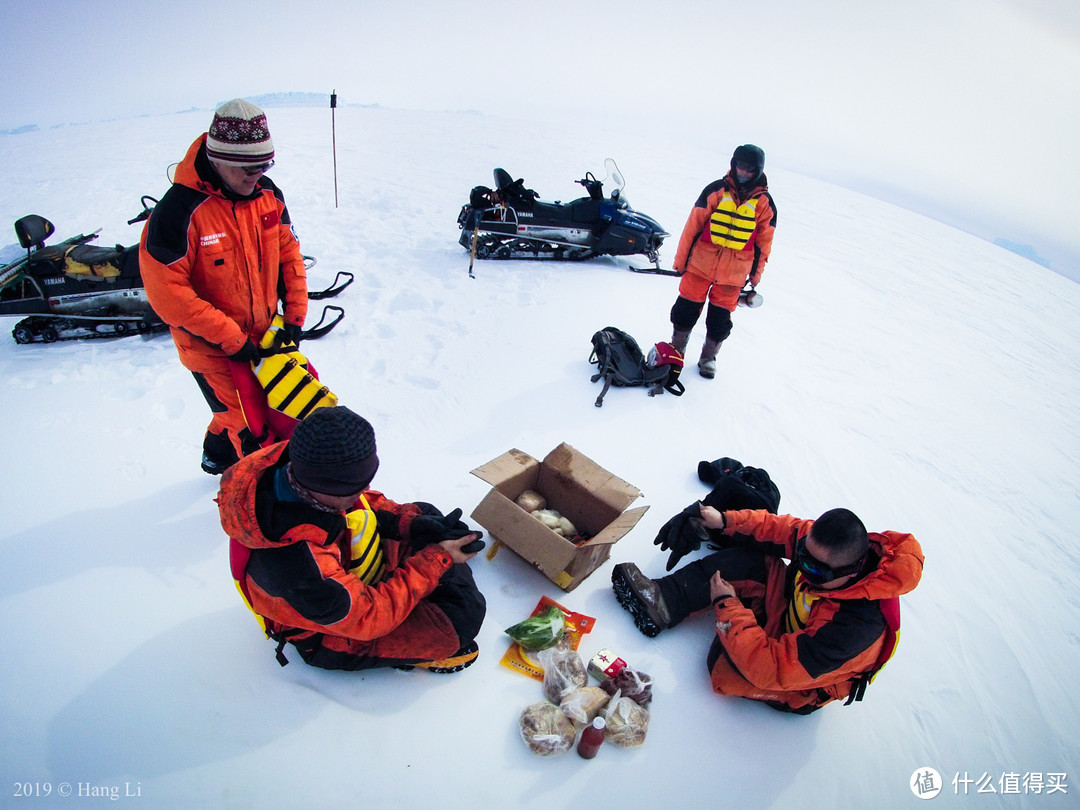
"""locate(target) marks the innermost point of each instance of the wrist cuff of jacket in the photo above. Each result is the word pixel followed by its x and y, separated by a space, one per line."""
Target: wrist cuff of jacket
pixel 718 600
pixel 441 554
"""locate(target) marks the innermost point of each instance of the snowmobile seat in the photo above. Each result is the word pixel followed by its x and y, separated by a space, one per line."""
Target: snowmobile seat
pixel 584 211
pixel 48 255
pixel 95 254
pixel 93 263
pixel 552 212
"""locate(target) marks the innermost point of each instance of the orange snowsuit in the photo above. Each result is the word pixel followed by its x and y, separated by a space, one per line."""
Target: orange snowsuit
pixel 794 646
pixel 215 267
pixel 725 242
pixel 292 563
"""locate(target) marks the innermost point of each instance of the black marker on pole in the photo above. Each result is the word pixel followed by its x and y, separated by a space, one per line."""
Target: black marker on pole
pixel 333 138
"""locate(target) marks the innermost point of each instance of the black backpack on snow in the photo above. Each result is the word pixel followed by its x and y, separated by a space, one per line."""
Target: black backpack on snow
pixel 736 486
pixel 619 362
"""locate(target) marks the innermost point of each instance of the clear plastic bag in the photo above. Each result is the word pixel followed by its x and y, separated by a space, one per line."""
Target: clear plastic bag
pixel 540 631
pixel 546 730
pixel 631 683
pixel 582 705
pixel 627 722
pixel 564 671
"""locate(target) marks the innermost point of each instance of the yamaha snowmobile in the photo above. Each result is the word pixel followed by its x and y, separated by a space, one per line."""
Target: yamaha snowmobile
pixel 511 222
pixel 72 290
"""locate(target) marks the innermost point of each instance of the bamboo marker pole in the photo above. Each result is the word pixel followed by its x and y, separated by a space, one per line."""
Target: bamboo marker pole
pixel 333 138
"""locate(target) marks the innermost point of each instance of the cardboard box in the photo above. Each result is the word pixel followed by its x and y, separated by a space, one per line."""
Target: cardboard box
pixel 593 499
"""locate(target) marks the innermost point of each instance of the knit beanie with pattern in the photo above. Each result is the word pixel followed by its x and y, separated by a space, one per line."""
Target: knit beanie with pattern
pixel 333 452
pixel 239 135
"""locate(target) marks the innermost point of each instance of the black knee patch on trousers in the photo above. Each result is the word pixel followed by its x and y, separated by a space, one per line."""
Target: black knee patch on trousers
pixel 457 596
pixel 211 398
pixel 685 313
pixel 249 443
pixel 717 323
pixel 686 590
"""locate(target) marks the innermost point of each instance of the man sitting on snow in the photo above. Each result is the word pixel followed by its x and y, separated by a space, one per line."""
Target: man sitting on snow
pixel 350 578
pixel 795 636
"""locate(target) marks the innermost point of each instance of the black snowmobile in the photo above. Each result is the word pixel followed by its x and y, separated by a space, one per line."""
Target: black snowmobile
pixel 72 290
pixel 511 222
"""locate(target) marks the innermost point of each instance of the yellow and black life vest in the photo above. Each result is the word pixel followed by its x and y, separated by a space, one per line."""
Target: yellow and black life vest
pixel 798 610
pixel 732 225
pixel 290 388
pixel 366 559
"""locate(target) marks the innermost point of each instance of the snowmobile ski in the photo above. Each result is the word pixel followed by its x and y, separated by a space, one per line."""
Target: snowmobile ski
pixel 321 330
pixel 337 286
pixel 656 271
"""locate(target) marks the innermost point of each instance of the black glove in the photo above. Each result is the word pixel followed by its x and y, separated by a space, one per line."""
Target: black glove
pixel 682 534
pixel 428 528
pixel 293 333
pixel 248 353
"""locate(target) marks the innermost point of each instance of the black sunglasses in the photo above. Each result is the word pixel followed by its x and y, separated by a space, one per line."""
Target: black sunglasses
pixel 251 171
pixel 817 572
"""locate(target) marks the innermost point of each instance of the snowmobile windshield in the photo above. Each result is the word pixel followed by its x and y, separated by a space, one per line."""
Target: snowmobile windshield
pixel 615 177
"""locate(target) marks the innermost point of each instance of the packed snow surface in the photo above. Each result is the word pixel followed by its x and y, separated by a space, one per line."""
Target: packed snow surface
pixel 919 376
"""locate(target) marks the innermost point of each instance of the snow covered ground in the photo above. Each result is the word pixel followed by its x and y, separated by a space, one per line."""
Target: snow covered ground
pixel 924 378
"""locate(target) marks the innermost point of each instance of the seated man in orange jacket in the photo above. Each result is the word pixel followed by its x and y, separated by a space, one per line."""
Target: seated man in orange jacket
pixel 795 636
pixel 352 579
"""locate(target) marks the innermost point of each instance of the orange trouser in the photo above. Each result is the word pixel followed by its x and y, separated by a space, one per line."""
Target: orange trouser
pixel 219 390
pixel 698 288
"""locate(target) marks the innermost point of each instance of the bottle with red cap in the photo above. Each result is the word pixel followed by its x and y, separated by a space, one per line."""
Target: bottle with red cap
pixel 591 739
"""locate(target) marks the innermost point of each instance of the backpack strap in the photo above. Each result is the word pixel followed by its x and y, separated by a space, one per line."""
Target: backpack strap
pixel 607 384
pixel 890 609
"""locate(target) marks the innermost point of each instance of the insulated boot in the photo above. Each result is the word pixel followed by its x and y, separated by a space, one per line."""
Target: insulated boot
pixel 218 453
pixel 679 339
pixel 707 364
pixel 641 597
pixel 455 663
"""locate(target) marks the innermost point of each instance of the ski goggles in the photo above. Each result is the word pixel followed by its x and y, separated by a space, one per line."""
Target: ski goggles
pixel 251 171
pixel 819 573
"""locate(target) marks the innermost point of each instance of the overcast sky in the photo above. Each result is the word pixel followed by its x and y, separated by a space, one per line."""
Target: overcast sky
pixel 968 110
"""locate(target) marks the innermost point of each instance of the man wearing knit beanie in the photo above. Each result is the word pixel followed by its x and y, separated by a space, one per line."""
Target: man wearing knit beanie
pixel 333 452
pixel 219 259
pixel 350 578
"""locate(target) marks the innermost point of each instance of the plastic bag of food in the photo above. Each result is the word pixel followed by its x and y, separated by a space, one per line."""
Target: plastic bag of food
pixel 556 522
pixel 627 722
pixel 546 730
pixel 564 671
pixel 631 683
pixel 541 631
pixel 582 705
pixel 530 500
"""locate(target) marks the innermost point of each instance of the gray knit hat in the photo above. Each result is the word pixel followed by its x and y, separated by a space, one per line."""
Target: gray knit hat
pixel 239 135
pixel 333 452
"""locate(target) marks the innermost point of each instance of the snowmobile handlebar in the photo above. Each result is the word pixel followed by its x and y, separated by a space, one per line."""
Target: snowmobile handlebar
pixel 147 209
